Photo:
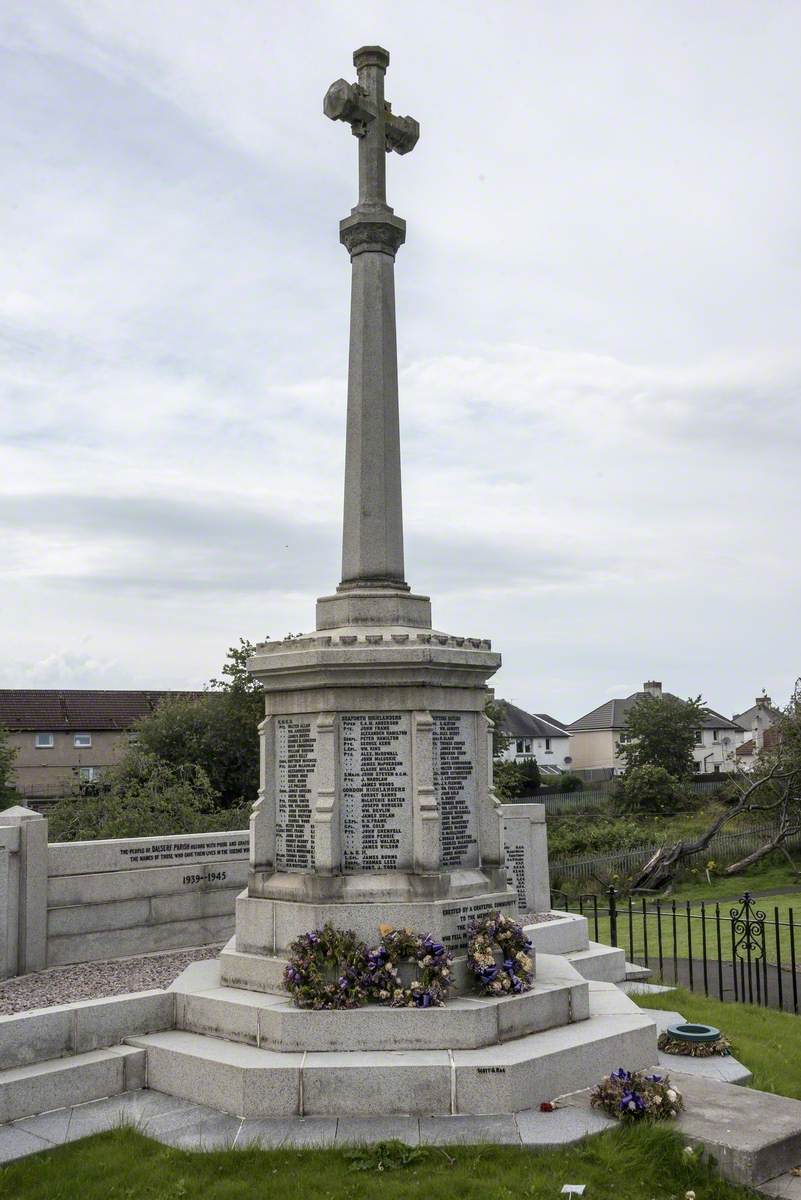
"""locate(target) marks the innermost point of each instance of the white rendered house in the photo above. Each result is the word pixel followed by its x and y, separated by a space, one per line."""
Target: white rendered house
pixel 535 735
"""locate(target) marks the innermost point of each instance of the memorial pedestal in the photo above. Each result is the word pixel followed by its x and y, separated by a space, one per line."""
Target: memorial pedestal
pixel 375 805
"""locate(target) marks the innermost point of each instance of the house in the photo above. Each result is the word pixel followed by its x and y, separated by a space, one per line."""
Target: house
pixel 598 736
pixel 63 737
pixel 757 719
pixel 535 735
pixel 759 722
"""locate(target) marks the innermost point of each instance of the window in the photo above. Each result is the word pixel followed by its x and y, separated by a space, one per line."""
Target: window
pixel 715 735
pixel 547 745
pixel 519 746
pixel 44 741
pixel 624 737
pixel 87 774
pixel 82 740
pixel 527 746
pixel 699 737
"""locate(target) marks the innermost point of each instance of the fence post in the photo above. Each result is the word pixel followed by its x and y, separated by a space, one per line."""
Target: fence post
pixel 612 894
pixel 32 904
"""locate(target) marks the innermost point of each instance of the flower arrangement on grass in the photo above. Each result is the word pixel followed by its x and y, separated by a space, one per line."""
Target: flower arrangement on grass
pixel 432 969
pixel 673 1045
pixel 633 1095
pixel 327 968
pixel 497 937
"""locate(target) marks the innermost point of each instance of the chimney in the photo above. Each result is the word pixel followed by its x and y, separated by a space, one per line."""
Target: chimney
pixel 652 687
pixel 761 722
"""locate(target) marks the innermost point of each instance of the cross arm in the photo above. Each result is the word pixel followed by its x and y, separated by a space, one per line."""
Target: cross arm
pixel 350 102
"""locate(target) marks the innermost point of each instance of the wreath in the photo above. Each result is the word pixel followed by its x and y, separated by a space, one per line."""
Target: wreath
pixel 500 935
pixel 327 968
pixel 432 974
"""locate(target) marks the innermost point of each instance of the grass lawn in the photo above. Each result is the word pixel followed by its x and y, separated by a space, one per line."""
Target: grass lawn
pixel 680 940
pixel 768 1042
pixel 634 1163
pixel 771 873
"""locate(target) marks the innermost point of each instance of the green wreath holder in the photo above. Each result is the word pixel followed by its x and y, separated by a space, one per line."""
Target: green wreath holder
pixel 498 934
pixel 432 969
pixel 327 969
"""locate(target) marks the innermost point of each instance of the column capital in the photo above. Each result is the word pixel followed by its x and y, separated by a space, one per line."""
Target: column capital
pixel 379 231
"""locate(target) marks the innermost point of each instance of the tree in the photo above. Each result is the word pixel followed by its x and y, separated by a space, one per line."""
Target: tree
pixel 773 789
pixel 649 789
pixel 568 782
pixel 493 710
pixel 661 733
pixel 8 756
pixel 216 731
pixel 142 796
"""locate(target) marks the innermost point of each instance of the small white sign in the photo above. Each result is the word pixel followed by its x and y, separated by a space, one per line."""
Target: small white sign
pixel 574 1189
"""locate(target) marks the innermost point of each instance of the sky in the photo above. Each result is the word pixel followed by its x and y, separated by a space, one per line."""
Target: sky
pixel 599 328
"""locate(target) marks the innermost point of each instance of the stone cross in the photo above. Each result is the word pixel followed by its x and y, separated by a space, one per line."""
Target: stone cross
pixel 372 535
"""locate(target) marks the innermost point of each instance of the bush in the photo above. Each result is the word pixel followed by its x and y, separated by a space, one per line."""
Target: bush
pixel 649 789
pixel 143 797
pixel 570 783
pixel 530 774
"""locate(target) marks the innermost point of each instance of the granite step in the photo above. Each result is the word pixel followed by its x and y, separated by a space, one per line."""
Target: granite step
pixel 56 1083
pixel 250 1081
pixel 560 996
pixel 599 962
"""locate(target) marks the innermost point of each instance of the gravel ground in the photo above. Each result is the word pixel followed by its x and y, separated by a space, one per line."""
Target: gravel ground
pixel 90 981
pixel 540 918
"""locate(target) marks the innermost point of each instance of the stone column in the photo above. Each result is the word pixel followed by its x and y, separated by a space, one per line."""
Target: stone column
pixel 326 817
pixel 372 536
pixel 262 819
pixel 492 856
pixel 426 815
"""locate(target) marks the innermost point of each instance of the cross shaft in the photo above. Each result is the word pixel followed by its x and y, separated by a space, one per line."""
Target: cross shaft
pixel 372 530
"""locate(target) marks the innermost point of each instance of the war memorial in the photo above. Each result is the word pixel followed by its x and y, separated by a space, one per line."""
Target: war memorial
pixel 378 856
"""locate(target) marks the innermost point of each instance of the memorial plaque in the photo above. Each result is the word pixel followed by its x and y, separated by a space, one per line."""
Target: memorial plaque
pixel 376 792
pixel 459 916
pixel 296 759
pixel 516 853
pixel 455 787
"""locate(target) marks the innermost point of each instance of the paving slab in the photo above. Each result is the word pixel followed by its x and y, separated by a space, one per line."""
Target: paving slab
pixel 469 1131
pixel 17 1143
pixel 786 1187
pixel 720 1066
pixel 561 1127
pixel 267 1132
pixel 197 1131
pixel 308 1132
pixel 356 1131
pixel 51 1126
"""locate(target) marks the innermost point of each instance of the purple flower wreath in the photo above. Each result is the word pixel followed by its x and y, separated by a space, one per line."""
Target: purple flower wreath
pixel 500 936
pixel 633 1095
pixel 432 963
pixel 327 968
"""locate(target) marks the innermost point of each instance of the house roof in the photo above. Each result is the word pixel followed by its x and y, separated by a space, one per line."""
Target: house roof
pixel 516 722
pixel 612 715
pixel 746 719
pixel 53 710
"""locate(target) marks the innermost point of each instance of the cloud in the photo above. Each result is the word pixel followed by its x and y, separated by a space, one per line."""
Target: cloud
pixel 598 333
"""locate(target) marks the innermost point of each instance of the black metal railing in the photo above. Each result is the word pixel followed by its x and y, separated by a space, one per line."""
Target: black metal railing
pixel 740 952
